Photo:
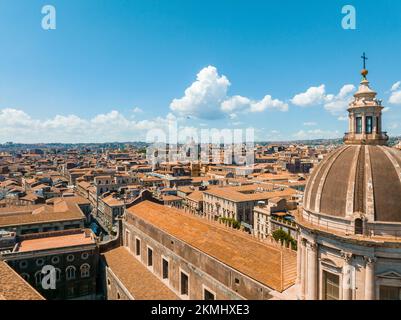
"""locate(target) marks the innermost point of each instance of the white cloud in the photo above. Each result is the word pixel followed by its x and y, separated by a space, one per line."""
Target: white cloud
pixel 396 86
pixel 312 96
pixel 207 98
pixel 268 103
pixel 18 126
pixel 235 103
pixel 336 104
pixel 395 97
pixel 309 124
pixel 203 98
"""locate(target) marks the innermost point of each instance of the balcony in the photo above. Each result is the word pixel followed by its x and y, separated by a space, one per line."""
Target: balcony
pixel 365 138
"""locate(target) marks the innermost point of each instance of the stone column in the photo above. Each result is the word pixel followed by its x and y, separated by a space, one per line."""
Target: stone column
pixel 370 287
pixel 312 272
pixel 303 268
pixel 364 124
pixel 299 258
pixel 347 276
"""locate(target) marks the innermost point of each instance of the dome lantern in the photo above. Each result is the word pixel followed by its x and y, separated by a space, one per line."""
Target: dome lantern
pixel 365 115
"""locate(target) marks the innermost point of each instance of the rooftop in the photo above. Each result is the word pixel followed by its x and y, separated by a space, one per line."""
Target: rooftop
pixel 14 287
pixel 70 240
pixel 137 279
pixel 257 260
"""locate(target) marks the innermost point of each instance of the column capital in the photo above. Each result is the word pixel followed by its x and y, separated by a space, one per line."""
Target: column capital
pixel 312 246
pixel 347 256
pixel 370 260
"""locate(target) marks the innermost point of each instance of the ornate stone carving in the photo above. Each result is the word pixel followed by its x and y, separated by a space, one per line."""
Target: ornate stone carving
pixel 347 256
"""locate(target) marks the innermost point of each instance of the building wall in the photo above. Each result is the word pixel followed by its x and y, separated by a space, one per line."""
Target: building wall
pixel 115 290
pixel 26 265
pixel 203 270
pixel 361 266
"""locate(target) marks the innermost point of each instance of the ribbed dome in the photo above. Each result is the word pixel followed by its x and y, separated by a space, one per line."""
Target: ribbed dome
pixel 357 178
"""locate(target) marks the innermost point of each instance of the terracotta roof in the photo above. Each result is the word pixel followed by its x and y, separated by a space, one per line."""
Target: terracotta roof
pixel 235 194
pixel 62 241
pixel 14 287
pixel 257 260
pixel 64 209
pixel 137 279
pixel 112 201
pixel 196 196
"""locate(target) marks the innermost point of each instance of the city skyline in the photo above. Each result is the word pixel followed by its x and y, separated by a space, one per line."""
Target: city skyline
pixel 110 72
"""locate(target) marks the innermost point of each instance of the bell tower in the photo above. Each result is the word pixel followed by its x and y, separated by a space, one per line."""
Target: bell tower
pixel 365 115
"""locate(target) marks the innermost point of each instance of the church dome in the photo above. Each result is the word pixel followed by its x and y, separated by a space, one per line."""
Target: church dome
pixel 361 179
pixel 357 179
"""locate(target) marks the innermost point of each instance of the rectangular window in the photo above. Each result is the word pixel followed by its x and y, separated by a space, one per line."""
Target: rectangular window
pixel 184 284
pixel 359 125
pixel 207 295
pixel 127 236
pixel 165 269
pixel 138 247
pixel 331 284
pixel 369 124
pixel 150 257
pixel 390 293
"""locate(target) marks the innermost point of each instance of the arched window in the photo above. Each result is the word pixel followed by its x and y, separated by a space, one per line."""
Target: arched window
pixel 70 272
pixel 85 270
pixel 38 277
pixel 358 226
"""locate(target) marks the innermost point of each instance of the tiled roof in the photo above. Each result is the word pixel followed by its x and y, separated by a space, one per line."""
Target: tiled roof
pixel 13 287
pixel 137 279
pixel 64 209
pixel 257 260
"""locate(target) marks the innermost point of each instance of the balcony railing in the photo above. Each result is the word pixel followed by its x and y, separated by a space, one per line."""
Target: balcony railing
pixel 367 136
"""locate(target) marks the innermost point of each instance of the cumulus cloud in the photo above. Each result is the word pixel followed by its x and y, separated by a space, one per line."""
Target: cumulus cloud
pixel 396 86
pixel 268 103
pixel 18 126
pixel 203 98
pixel 207 98
pixel 312 96
pixel 395 97
pixel 336 104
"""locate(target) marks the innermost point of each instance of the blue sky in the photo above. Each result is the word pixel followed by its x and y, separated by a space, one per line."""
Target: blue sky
pixel 113 69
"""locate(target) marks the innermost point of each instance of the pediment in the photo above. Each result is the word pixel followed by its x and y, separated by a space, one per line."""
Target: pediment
pixel 390 275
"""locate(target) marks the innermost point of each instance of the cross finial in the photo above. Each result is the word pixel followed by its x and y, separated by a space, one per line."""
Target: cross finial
pixel 364 57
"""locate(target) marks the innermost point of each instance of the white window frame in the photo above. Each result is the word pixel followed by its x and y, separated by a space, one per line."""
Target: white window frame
pixel 147 257
pixel 87 272
pixel 140 247
pixel 66 273
pixel 161 269
pixel 208 289
pixel 184 296
pixel 128 239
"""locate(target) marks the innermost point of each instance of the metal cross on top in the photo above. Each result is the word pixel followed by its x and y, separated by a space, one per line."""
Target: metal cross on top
pixel 364 57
